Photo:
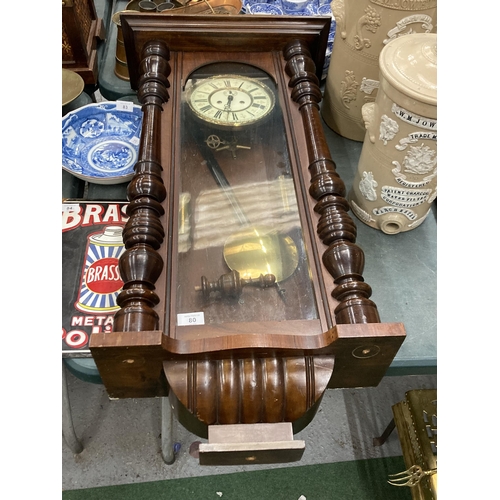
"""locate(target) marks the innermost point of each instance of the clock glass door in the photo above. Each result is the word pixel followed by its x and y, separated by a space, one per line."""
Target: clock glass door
pixel 241 252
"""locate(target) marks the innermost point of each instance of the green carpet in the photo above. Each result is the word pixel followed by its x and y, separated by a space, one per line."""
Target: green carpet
pixel 358 480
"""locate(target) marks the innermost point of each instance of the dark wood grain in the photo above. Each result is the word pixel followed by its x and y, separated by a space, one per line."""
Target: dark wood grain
pixel 249 389
pixel 141 264
pixel 221 34
pixel 130 363
pixel 343 258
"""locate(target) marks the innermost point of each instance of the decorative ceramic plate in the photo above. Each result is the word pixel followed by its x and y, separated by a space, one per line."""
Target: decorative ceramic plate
pixel 291 6
pixel 100 141
pixel 324 10
pixel 264 8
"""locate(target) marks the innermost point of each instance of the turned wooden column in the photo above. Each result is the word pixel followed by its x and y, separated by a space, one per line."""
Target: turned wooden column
pixel 343 259
pixel 141 264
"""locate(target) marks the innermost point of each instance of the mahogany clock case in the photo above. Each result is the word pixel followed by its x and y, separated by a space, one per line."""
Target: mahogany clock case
pixel 320 315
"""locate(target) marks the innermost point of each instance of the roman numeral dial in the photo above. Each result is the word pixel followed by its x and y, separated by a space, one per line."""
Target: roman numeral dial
pixel 231 100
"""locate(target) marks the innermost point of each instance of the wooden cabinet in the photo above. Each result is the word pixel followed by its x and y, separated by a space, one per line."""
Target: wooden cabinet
pixel 81 28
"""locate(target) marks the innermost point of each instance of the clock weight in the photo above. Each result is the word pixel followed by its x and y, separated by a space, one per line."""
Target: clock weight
pixel 231 284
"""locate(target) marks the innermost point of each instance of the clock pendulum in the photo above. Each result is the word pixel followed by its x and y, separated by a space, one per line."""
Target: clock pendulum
pixel 233 102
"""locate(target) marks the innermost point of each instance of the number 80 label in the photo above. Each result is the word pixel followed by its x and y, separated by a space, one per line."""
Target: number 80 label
pixel 196 318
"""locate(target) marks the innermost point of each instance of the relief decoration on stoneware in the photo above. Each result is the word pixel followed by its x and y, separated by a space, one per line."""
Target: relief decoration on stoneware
pixel 348 88
pixel 415 137
pixel 404 198
pixel 409 214
pixel 401 27
pixel 388 129
pixel 371 21
pixel 338 11
pixel 367 186
pixel 368 113
pixel 414 119
pixel 361 214
pixel 368 85
pixel 418 160
pixel 403 180
pixel 406 4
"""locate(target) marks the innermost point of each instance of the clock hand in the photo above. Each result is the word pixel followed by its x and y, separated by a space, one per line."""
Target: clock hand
pixel 213 142
pixel 233 147
pixel 227 106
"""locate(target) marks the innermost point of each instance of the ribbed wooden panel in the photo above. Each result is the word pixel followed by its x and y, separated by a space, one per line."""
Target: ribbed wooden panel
pixel 250 390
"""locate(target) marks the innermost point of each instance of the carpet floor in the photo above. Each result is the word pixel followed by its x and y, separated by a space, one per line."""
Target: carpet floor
pixel 356 480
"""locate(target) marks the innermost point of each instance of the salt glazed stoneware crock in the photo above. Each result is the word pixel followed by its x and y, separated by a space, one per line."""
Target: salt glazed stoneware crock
pixel 396 180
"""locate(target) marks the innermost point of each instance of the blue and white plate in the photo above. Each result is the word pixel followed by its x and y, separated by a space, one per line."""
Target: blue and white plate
pixel 100 141
pixel 264 8
pixel 293 7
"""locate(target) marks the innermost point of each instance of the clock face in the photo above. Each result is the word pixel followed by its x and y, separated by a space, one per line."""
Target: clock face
pixel 231 100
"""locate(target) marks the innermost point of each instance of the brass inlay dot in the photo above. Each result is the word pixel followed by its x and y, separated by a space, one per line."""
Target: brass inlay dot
pixel 366 351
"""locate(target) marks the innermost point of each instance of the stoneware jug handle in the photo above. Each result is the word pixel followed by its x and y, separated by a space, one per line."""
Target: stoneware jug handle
pixel 338 10
pixel 368 112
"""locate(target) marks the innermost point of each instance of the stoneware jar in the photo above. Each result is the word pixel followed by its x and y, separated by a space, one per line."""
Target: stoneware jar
pixel 364 28
pixel 396 180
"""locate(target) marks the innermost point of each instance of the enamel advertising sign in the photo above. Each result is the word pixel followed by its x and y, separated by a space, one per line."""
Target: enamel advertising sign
pixel 91 247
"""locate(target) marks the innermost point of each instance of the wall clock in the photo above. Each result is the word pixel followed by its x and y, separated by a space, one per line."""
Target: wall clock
pixel 243 295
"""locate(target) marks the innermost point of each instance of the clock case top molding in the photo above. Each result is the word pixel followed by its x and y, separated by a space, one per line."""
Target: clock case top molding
pixel 237 372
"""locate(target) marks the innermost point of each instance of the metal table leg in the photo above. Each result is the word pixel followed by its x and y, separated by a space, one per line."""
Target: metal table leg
pixel 68 430
pixel 167 441
pixel 379 441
